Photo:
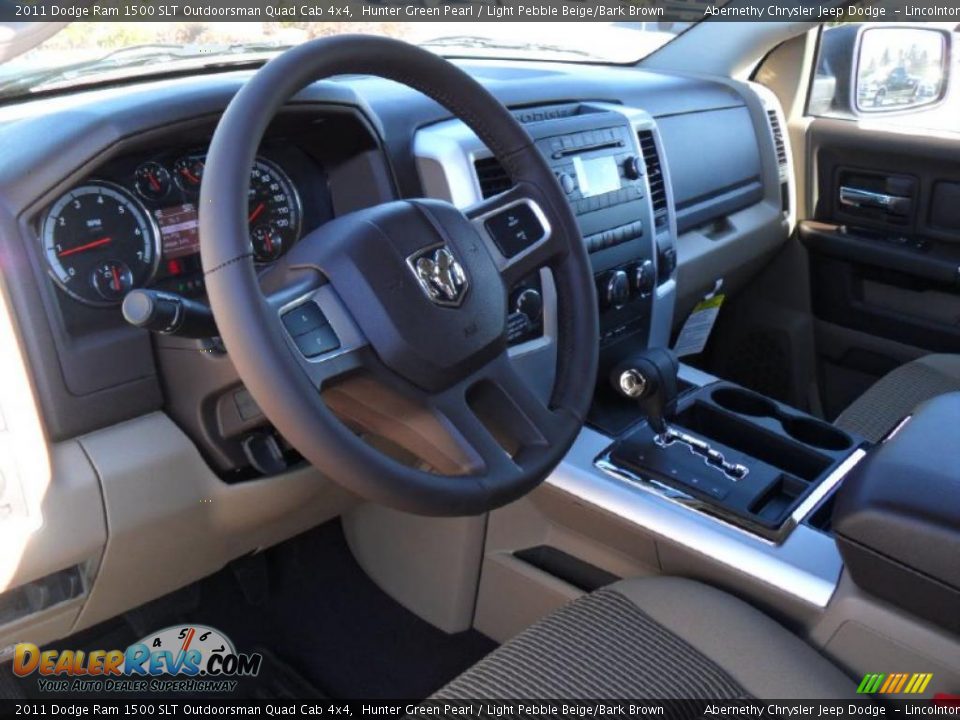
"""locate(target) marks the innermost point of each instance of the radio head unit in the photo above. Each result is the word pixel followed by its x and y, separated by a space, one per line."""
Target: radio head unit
pixel 602 175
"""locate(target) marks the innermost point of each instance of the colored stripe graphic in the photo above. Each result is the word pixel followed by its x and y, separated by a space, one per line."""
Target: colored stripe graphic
pixel 870 683
pixel 894 683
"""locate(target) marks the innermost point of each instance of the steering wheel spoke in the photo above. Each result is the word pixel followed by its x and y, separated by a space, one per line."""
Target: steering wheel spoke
pixel 502 421
pixel 490 458
pixel 534 422
pixel 516 231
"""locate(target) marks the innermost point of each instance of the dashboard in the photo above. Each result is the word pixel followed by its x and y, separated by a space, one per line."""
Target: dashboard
pixel 676 182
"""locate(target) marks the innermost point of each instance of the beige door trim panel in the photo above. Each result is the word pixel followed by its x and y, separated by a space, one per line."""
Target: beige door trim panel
pixel 64 528
pixel 51 512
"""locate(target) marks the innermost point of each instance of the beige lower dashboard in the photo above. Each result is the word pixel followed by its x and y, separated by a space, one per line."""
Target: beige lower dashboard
pixel 138 510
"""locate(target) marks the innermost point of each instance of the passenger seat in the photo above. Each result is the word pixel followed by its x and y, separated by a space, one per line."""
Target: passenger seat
pixel 893 397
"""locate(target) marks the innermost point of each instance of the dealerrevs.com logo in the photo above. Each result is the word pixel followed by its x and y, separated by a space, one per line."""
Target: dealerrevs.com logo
pixel 192 658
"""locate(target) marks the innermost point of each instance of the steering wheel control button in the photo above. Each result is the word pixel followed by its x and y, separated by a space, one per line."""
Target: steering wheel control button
pixel 310 330
pixel 304 318
pixel 317 342
pixel 514 229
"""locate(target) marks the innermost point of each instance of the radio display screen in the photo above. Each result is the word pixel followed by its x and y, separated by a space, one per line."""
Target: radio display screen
pixel 597 176
pixel 179 232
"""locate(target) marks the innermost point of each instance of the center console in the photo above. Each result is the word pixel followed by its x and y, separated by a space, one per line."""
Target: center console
pixel 737 455
pixel 727 452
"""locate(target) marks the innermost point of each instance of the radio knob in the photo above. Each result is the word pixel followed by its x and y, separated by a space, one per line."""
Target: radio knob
pixel 618 289
pixel 632 168
pixel 530 303
pixel 566 183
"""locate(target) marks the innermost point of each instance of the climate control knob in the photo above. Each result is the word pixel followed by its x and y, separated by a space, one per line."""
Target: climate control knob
pixel 644 277
pixel 617 291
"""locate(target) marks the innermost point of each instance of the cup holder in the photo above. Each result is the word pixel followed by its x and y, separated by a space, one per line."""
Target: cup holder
pixel 744 402
pixel 816 433
pixel 803 429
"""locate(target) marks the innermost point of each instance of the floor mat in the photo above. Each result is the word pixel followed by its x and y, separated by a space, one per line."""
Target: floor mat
pixel 278 681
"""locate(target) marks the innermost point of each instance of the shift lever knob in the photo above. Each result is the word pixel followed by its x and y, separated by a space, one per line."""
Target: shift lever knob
pixel 650 378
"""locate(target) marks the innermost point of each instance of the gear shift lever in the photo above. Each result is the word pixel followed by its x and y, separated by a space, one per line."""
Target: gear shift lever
pixel 650 378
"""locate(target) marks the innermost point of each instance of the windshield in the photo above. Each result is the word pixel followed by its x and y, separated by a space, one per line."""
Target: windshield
pixel 89 52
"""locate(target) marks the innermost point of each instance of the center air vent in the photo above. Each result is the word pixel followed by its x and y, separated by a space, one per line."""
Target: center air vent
pixel 492 177
pixel 778 138
pixel 658 188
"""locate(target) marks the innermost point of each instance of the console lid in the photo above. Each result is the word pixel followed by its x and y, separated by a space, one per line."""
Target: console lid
pixel 897 515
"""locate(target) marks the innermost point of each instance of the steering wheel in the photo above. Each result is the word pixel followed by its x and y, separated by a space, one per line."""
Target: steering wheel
pixel 412 291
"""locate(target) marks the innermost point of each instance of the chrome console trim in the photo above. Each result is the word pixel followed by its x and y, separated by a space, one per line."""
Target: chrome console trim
pixel 805 565
pixel 823 489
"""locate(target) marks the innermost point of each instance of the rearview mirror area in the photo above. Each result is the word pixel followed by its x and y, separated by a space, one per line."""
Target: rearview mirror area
pixel 900 68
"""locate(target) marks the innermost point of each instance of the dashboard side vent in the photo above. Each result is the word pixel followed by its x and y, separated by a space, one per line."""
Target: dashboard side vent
pixel 492 177
pixel 658 189
pixel 778 138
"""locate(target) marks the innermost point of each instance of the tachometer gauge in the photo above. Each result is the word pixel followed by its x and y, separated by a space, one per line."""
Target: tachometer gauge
pixel 273 211
pixel 100 242
pixel 152 181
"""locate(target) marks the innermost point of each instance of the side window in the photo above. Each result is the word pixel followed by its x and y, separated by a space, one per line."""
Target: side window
pixel 900 74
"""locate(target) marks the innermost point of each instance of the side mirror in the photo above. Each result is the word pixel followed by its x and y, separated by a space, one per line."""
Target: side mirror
pixel 900 68
pixel 874 69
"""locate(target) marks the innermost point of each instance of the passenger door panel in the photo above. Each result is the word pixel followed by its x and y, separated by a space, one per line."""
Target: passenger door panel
pixel 884 247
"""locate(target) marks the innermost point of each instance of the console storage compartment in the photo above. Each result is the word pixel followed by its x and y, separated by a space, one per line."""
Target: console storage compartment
pixel 897 516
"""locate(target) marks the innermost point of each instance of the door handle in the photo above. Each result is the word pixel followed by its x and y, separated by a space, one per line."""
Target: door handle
pixel 861 198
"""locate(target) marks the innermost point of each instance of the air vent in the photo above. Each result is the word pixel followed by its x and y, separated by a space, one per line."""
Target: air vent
pixel 658 189
pixel 492 177
pixel 778 138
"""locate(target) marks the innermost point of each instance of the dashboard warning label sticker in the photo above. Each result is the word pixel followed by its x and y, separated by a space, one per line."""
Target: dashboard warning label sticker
pixel 696 330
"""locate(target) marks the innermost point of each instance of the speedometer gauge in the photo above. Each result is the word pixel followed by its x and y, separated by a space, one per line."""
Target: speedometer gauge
pixel 273 211
pixel 100 242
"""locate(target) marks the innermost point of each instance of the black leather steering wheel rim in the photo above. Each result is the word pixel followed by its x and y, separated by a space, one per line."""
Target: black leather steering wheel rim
pixel 260 349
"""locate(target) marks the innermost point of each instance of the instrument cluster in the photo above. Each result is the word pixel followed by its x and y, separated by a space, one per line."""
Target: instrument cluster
pixel 135 225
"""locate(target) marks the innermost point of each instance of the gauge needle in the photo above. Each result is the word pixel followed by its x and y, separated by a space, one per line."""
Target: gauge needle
pixel 89 246
pixel 153 182
pixel 256 212
pixel 189 175
pixel 116 278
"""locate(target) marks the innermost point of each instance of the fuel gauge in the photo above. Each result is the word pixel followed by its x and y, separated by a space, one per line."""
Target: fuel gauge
pixel 112 279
